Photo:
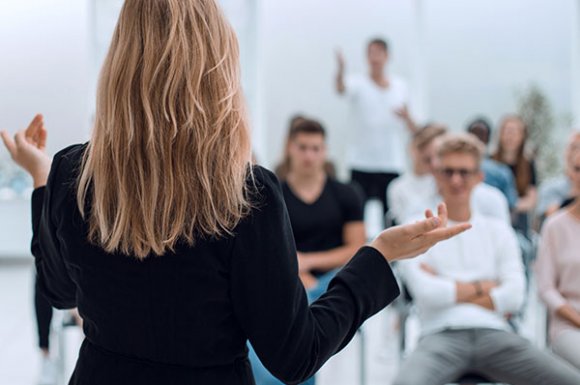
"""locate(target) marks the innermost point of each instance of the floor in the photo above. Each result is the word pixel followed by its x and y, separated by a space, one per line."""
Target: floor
pixel 19 359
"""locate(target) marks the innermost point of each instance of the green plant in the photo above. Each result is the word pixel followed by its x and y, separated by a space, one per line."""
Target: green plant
pixel 536 111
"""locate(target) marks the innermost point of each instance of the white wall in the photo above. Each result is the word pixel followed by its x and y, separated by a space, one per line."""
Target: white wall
pixel 44 67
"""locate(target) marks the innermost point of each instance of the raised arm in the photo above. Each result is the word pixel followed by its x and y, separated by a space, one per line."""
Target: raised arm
pixel 339 82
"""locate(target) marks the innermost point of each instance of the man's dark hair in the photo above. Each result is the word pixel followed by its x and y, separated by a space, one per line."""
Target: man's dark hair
pixel 306 126
pixel 380 42
pixel 481 128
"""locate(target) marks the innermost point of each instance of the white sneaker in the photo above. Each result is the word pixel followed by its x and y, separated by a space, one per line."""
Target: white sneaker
pixel 48 372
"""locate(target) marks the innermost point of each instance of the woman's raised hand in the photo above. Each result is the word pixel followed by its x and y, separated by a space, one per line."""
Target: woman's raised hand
pixel 406 241
pixel 28 149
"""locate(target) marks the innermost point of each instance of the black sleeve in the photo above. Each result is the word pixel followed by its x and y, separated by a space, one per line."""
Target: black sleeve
pixel 351 201
pixel 292 339
pixel 53 272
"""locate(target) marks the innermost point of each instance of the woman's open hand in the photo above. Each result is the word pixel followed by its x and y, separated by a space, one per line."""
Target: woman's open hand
pixel 406 241
pixel 28 149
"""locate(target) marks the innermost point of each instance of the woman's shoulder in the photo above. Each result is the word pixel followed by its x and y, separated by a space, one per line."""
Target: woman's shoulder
pixel 70 156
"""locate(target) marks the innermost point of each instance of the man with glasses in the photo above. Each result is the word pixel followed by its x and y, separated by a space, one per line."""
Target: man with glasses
pixel 409 194
pixel 465 288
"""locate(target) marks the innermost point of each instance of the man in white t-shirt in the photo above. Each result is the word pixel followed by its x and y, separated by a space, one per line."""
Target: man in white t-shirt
pixel 465 287
pixel 412 192
pixel 381 122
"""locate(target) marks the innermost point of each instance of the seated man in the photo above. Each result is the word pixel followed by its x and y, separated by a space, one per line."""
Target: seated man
pixel 554 192
pixel 465 287
pixel 411 193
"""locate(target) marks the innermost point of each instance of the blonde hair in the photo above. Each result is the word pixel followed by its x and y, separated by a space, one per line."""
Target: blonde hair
pixel 426 135
pixel 462 143
pixel 170 151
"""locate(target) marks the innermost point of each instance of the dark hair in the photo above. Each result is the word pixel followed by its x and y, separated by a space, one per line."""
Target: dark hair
pixel 302 125
pixel 380 42
pixel 305 126
pixel 480 122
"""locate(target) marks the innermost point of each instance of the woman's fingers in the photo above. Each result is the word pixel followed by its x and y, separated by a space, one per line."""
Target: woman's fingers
pixel 442 214
pixel 8 142
pixel 419 229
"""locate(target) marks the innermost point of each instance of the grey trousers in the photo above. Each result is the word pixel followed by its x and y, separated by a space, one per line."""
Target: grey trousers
pixel 443 357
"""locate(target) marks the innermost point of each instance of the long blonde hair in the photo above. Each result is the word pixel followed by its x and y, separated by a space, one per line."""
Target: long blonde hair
pixel 170 150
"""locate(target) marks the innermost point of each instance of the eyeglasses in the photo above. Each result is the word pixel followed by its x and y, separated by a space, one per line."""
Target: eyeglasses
pixel 464 173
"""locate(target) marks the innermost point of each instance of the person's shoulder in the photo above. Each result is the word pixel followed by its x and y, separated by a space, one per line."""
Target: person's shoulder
pixel 486 191
pixel 495 225
pixel 398 82
pixel 554 221
pixel 346 191
pixel 263 186
pixel 72 152
pixel 66 164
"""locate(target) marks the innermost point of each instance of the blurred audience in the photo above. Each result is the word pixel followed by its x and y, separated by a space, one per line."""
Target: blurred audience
pixel 465 288
pixel 409 203
pixel 409 193
pixel 496 174
pixel 381 122
pixel 558 272
pixel 511 151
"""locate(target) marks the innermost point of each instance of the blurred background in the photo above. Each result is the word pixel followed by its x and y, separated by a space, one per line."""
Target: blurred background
pixel 461 59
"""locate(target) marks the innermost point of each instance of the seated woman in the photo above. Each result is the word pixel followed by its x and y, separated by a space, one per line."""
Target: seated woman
pixel 326 216
pixel 511 151
pixel 557 269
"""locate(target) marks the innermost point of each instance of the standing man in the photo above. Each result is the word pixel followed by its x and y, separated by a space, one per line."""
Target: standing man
pixel 382 122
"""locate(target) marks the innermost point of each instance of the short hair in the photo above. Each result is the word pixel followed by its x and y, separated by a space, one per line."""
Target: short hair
pixel 460 143
pixel 427 134
pixel 380 42
pixel 306 126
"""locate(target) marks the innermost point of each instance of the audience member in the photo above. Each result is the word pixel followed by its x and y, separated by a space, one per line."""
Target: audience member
pixel 553 192
pixel 557 271
pixel 326 216
pixel 464 289
pixel 381 122
pixel 408 202
pixel 495 173
pixel 511 151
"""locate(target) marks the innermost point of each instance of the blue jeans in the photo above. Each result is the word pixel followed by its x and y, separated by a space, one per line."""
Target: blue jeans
pixel 261 374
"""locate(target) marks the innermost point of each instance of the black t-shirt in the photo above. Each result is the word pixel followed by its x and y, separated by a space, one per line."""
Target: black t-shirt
pixel 318 226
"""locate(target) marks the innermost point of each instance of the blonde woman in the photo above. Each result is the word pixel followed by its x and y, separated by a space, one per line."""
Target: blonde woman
pixel 174 249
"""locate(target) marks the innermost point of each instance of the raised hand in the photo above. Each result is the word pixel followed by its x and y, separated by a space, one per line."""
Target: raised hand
pixel 340 61
pixel 28 149
pixel 407 241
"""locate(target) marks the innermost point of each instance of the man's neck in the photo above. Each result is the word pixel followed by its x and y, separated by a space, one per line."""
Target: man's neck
pixel 458 212
pixel 306 180
pixel 379 78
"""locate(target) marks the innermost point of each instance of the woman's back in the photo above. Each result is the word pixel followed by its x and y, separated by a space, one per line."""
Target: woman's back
pixel 189 313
